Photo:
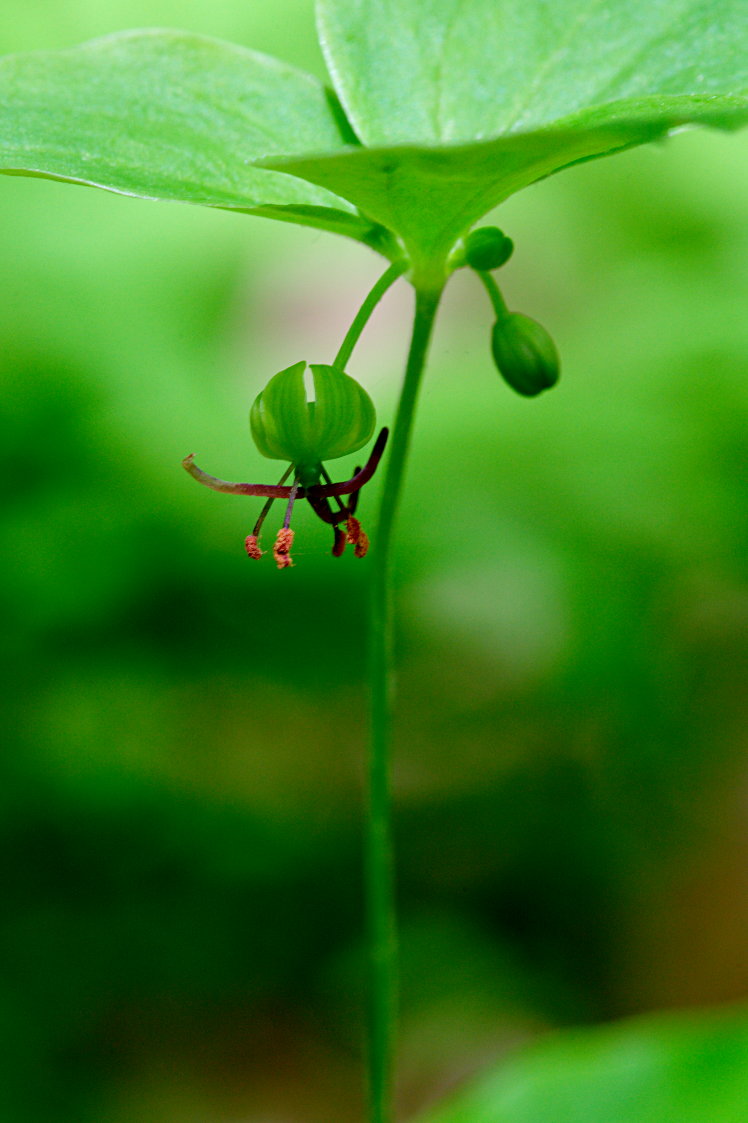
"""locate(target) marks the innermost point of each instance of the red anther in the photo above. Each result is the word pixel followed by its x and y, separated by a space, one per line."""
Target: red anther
pixel 356 536
pixel 362 546
pixel 250 545
pixel 282 548
pixel 353 530
pixel 316 494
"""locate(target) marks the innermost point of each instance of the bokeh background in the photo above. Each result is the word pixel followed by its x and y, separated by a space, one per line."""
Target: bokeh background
pixel 182 768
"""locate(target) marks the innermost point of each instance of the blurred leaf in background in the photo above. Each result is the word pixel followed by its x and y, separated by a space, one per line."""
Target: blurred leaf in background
pixel 663 1070
pixel 180 799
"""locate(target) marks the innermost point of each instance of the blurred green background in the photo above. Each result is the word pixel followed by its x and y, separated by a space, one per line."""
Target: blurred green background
pixel 181 791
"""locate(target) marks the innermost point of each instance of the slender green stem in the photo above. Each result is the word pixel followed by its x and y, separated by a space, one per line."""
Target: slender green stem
pixel 362 316
pixel 494 293
pixel 380 890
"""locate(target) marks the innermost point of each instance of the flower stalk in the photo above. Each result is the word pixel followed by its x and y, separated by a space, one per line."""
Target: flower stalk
pixel 285 425
pixel 379 850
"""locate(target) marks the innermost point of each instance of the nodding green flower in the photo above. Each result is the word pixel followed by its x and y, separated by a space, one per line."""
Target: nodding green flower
pixel 289 424
pixel 525 354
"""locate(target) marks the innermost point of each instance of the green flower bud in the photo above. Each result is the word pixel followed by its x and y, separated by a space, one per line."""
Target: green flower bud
pixel 285 425
pixel 525 354
pixel 488 248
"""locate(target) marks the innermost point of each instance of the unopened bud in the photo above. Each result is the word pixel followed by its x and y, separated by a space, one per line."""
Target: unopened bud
pixel 488 248
pixel 525 354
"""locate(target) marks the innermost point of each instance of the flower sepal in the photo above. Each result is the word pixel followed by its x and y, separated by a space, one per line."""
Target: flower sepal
pixel 307 418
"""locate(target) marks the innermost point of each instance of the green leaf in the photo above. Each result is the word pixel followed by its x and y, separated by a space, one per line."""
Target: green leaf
pixel 440 71
pixel 463 102
pixel 174 116
pixel 654 1070
pixel 460 102
pixel 432 195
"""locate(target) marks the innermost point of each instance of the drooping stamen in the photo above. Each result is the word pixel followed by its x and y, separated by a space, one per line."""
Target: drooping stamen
pixel 284 539
pixel 282 548
pixel 357 537
pixel 318 496
pixel 289 509
pixel 250 545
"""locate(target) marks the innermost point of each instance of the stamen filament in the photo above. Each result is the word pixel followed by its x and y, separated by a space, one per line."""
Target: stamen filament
pixel 289 508
pixel 264 512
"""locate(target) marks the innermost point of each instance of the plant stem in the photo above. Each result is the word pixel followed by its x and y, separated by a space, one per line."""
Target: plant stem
pixel 494 293
pixel 354 331
pixel 380 888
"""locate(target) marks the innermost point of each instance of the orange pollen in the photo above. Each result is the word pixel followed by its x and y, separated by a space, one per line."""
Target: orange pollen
pixel 362 546
pixel 356 536
pixel 282 548
pixel 353 529
pixel 250 545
